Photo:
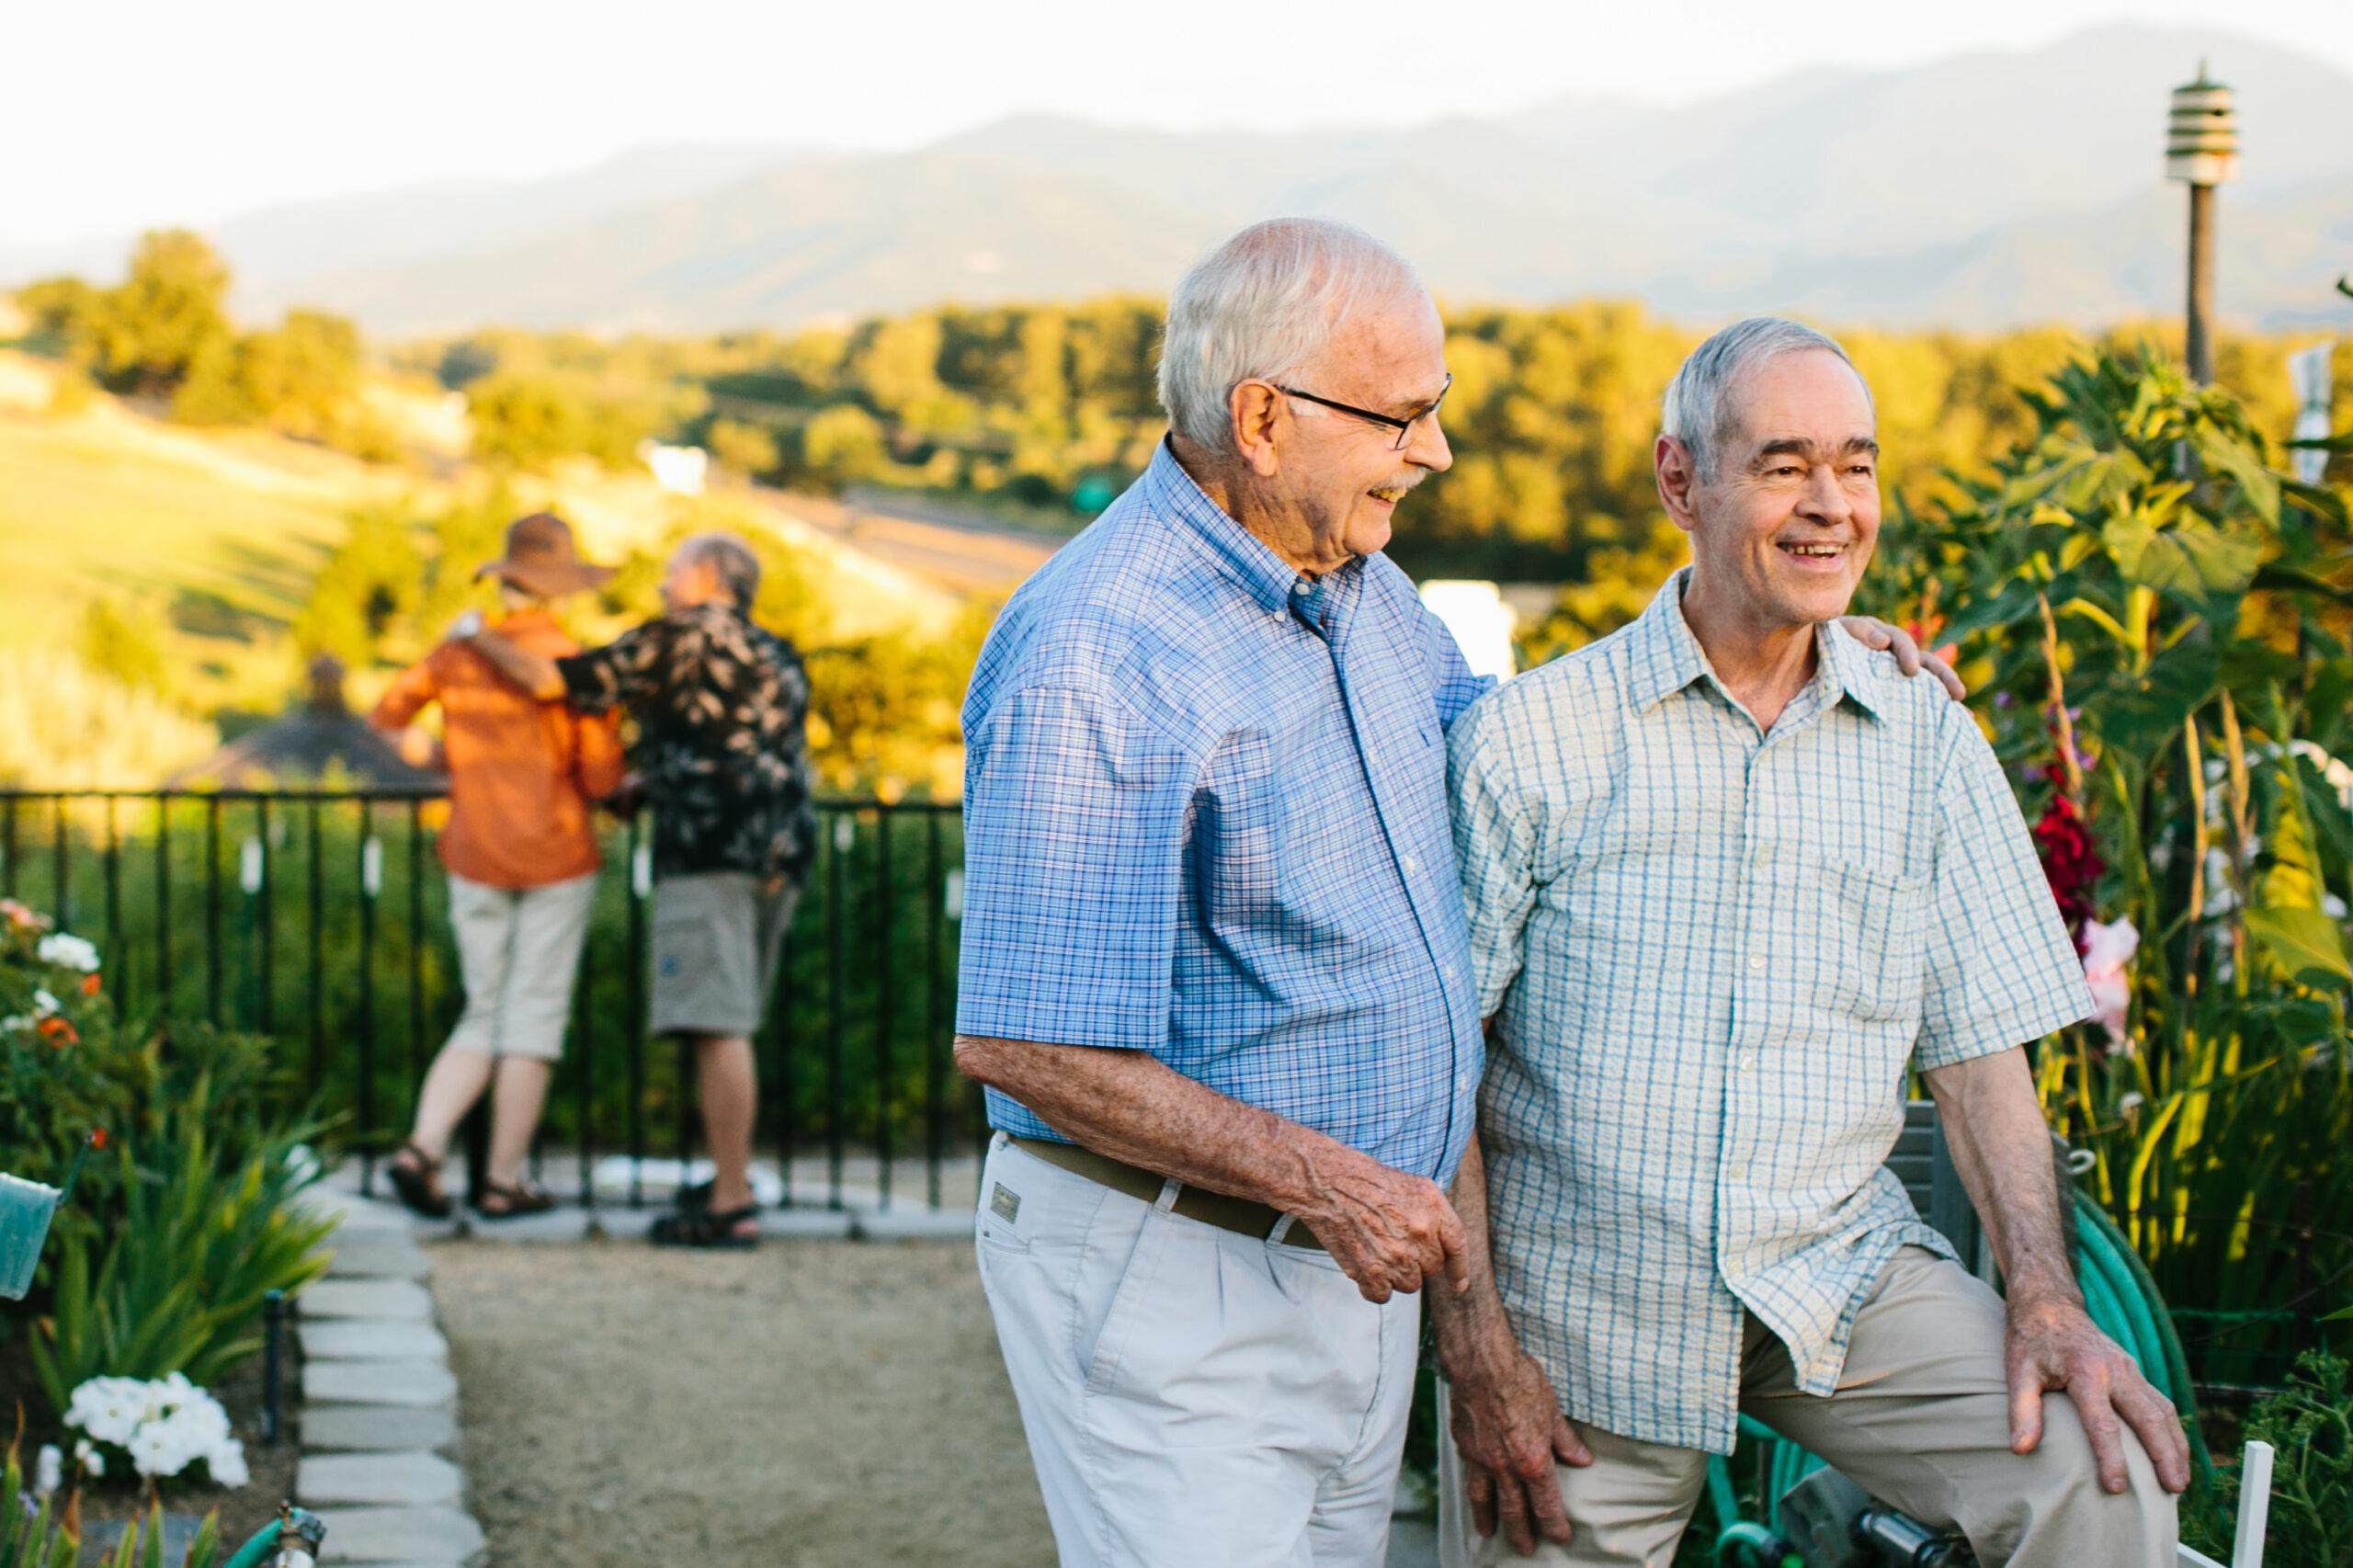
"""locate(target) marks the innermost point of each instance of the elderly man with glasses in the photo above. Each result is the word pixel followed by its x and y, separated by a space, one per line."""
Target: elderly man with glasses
pixel 1215 971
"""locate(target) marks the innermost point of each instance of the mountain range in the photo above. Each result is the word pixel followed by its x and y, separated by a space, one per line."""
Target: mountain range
pixel 1977 192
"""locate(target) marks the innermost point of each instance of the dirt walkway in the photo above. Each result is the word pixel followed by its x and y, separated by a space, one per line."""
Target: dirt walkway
pixel 813 1404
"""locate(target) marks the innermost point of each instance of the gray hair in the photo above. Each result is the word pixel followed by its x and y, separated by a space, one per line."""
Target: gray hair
pixel 738 568
pixel 1264 303
pixel 1699 409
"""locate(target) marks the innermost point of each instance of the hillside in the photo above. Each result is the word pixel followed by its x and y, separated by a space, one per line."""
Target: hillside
pixel 1983 190
pixel 210 540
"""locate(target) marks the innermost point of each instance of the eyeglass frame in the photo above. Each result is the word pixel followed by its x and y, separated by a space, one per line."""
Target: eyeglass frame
pixel 1404 427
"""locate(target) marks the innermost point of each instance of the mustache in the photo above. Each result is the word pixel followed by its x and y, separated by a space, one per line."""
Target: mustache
pixel 1405 480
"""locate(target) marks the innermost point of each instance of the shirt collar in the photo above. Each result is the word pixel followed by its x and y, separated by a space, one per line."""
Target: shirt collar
pixel 1668 657
pixel 1170 493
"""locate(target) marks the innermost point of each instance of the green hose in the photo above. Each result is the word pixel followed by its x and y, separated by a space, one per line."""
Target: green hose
pixel 2148 1334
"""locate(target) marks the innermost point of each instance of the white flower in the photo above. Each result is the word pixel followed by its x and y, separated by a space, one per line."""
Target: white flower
pixel 16 1023
pixel 2131 1101
pixel 49 1470
pixel 68 951
pixel 153 1452
pixel 44 1005
pixel 88 1456
pixel 227 1464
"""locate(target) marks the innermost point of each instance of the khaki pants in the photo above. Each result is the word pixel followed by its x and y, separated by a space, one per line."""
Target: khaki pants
pixel 1920 1420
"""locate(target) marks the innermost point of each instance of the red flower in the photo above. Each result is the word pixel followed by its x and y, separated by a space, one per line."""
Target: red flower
pixel 90 983
pixel 97 1137
pixel 2069 861
pixel 59 1031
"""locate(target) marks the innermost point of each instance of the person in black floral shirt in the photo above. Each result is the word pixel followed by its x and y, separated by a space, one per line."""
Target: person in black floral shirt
pixel 721 707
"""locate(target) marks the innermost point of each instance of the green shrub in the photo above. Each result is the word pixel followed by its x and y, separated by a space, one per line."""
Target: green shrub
pixel 179 1284
pixel 2310 1427
pixel 32 1534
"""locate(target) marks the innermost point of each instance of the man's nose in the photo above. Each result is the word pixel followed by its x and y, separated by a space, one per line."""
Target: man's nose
pixel 1825 498
pixel 1425 444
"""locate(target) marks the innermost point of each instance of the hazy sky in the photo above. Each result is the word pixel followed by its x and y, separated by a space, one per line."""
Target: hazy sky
pixel 118 115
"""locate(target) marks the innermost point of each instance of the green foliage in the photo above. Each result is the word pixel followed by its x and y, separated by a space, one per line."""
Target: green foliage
pixel 206 1230
pixel 123 648
pixel 2310 1427
pixel 748 449
pixel 2155 620
pixel 165 331
pixel 34 1535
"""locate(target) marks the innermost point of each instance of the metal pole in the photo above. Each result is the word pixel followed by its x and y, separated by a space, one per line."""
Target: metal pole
pixel 2201 282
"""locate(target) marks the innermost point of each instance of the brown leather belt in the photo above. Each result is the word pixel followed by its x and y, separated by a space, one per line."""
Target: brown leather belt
pixel 1247 1216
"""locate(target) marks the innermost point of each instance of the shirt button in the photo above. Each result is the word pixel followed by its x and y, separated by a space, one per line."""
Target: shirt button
pixel 1761 856
pixel 1411 864
pixel 1747 1059
pixel 1736 1169
pixel 1757 961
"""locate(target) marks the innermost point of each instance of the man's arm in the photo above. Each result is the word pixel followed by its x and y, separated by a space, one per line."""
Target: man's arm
pixel 535 673
pixel 394 717
pixel 1506 1420
pixel 2002 1148
pixel 1386 1230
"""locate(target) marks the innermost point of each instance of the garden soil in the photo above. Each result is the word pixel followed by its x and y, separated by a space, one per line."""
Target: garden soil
pixel 812 1404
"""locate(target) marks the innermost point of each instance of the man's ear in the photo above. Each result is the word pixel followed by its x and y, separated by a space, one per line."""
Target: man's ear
pixel 1678 478
pixel 1258 413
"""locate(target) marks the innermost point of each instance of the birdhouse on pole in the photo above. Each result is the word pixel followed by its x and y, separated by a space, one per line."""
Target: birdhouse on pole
pixel 2202 151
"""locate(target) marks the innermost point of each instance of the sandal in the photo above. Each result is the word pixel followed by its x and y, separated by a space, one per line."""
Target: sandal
pixel 702 1227
pixel 693 1195
pixel 523 1197
pixel 416 1179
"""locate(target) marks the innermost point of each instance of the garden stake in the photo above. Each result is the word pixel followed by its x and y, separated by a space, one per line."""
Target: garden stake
pixel 273 1348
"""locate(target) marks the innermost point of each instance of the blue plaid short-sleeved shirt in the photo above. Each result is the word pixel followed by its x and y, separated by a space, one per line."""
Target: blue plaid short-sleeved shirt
pixel 1713 953
pixel 1205 817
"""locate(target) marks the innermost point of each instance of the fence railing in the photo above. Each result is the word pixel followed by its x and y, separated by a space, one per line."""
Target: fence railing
pixel 319 918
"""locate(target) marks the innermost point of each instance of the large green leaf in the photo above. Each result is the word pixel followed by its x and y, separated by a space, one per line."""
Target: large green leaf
pixel 2191 557
pixel 2304 941
pixel 2258 486
pixel 2146 716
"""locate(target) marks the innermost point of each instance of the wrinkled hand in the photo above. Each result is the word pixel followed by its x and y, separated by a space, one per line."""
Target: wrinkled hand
pixel 1875 634
pixel 1386 1230
pixel 1510 1431
pixel 2054 1345
pixel 628 797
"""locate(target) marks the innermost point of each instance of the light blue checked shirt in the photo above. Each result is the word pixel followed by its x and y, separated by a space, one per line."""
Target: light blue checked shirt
pixel 1714 953
pixel 1205 816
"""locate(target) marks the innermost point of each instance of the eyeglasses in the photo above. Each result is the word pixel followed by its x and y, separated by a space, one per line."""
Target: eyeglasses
pixel 1404 427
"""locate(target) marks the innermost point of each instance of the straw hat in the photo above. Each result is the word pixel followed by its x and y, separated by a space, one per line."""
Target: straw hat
pixel 540 558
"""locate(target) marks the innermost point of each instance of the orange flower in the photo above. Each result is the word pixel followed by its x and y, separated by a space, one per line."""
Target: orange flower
pixel 90 983
pixel 59 1031
pixel 97 1137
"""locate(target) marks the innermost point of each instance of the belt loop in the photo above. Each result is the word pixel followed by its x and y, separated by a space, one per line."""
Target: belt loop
pixel 1168 1191
pixel 1282 1228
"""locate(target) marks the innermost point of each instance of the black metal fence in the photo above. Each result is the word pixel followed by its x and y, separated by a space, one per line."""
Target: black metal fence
pixel 319 918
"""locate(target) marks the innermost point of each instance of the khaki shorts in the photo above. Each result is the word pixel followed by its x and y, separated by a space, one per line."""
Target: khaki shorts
pixel 519 950
pixel 717 942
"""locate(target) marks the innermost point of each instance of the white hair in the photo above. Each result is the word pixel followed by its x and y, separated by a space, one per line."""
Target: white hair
pixel 1264 304
pixel 738 569
pixel 1699 410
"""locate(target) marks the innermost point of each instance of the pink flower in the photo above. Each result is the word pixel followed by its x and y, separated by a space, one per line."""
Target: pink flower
pixel 2108 960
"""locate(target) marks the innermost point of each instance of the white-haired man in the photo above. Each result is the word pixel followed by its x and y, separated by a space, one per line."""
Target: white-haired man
pixel 1727 885
pixel 1215 971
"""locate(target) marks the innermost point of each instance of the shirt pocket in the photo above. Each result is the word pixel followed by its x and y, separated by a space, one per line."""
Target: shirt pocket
pixel 1874 927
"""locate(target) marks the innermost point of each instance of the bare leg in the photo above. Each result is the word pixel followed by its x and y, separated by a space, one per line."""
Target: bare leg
pixel 730 1094
pixel 515 1115
pixel 456 1080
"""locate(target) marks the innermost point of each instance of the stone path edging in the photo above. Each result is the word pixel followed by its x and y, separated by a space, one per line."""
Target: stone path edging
pixel 380 1421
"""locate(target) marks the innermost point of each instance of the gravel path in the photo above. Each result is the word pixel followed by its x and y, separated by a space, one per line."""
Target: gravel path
pixel 812 1404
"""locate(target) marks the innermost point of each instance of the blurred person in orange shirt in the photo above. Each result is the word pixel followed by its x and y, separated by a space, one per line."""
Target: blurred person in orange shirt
pixel 521 854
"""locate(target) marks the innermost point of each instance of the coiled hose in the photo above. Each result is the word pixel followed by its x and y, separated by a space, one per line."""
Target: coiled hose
pixel 2123 1303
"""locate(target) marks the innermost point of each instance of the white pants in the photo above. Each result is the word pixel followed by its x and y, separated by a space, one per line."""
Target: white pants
pixel 518 951
pixel 1192 1396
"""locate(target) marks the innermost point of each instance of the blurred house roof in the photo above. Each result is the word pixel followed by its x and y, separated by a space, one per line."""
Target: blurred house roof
pixel 320 739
